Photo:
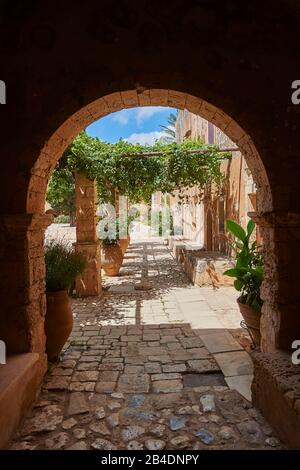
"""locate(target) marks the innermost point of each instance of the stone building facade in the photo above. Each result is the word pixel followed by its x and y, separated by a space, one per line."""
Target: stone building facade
pixel 204 220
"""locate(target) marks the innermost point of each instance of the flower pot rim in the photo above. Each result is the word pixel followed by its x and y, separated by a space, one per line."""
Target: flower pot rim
pixel 249 306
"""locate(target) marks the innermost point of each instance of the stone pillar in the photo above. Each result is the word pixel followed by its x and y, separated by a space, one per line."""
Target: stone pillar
pixel 280 323
pixel 22 282
pixel 89 283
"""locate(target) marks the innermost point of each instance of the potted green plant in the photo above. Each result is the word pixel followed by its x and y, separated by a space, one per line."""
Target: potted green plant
pixel 248 274
pixel 63 264
pixel 125 241
pixel 123 244
pixel 122 229
pixel 112 256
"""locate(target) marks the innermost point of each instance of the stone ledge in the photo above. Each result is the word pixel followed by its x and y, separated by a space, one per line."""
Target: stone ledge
pixel 202 267
pixel 20 378
pixel 25 222
pixel 276 219
pixel 276 392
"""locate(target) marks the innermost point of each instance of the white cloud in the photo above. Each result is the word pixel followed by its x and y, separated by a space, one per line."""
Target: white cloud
pixel 121 117
pixel 147 112
pixel 139 115
pixel 145 138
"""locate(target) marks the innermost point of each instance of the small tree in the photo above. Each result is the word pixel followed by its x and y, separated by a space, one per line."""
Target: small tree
pixel 61 193
pixel 170 130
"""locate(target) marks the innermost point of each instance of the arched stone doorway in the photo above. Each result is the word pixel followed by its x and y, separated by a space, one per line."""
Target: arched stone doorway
pixel 30 336
pixel 60 96
pixel 55 146
pixel 61 75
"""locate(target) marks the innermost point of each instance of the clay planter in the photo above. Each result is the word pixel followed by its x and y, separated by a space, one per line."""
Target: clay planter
pixel 58 323
pixel 111 259
pixel 252 320
pixel 123 243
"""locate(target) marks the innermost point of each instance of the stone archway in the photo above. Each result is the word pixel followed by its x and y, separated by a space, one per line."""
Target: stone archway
pixel 59 69
pixel 64 135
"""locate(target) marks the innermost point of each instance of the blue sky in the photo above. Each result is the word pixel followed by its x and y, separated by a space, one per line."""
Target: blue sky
pixel 137 125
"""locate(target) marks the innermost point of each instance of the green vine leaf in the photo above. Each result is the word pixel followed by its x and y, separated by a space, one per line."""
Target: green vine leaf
pixel 122 167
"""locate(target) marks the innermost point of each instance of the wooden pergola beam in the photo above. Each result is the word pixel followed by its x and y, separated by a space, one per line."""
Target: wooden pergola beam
pixel 193 151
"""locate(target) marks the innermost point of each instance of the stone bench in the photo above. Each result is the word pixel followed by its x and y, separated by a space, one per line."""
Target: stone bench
pixel 206 268
pixel 276 392
pixel 19 382
pixel 203 268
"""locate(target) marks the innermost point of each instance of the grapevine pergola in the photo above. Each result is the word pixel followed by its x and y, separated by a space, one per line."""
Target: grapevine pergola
pixel 198 151
pixel 138 171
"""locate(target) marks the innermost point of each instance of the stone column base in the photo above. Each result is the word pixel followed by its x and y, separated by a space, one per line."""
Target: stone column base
pixel 89 283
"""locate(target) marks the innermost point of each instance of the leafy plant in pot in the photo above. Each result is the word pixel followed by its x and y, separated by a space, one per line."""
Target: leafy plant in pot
pixel 63 264
pixel 112 256
pixel 248 274
pixel 124 227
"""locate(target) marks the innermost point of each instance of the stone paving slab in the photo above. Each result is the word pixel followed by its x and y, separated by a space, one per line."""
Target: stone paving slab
pixel 241 383
pixel 205 321
pixel 235 363
pixel 221 342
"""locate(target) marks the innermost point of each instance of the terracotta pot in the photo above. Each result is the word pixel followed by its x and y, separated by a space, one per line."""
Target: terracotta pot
pixel 58 323
pixel 252 320
pixel 111 259
pixel 123 243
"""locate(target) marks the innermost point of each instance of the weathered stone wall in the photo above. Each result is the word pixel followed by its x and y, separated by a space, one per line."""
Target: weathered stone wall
pixel 276 391
pixel 189 125
pixel 234 203
pixel 23 282
pixel 190 214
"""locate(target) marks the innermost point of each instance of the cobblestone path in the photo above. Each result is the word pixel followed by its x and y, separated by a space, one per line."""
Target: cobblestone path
pixel 149 365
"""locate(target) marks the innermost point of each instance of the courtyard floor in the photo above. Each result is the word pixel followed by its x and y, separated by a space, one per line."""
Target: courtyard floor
pixel 152 364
